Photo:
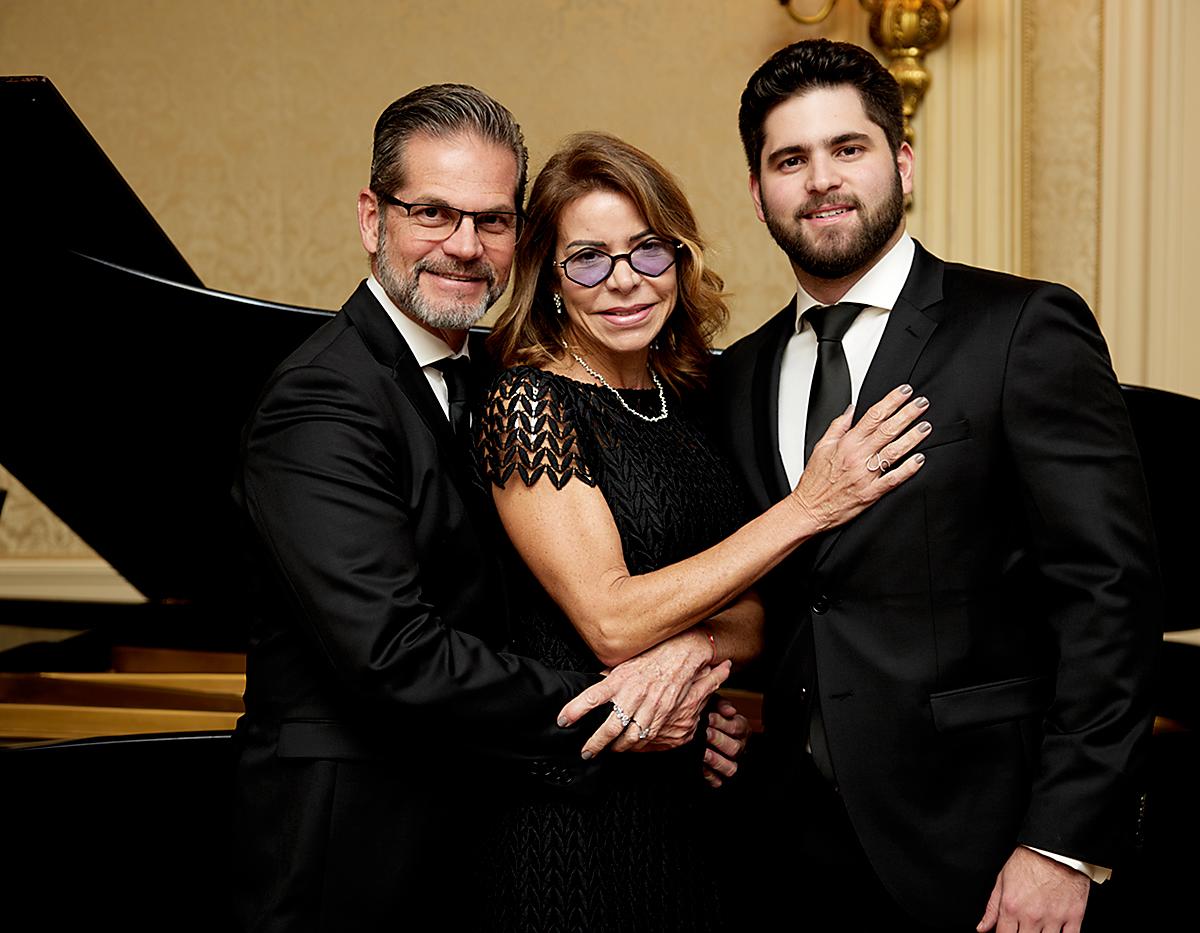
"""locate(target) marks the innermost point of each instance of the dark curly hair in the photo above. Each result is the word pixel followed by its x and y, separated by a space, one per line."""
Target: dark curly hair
pixel 819 63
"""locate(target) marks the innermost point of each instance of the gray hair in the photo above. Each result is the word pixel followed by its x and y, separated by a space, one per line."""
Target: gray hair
pixel 442 110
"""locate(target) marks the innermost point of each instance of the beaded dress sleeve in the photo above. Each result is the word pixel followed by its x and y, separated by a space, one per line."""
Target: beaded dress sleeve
pixel 527 429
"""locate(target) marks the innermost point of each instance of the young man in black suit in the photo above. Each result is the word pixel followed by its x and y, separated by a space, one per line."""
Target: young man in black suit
pixel 378 698
pixel 958 701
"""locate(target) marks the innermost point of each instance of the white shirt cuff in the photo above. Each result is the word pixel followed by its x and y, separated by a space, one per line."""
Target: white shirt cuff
pixel 1095 872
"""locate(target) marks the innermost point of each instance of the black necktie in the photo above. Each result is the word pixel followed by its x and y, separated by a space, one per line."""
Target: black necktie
pixel 830 392
pixel 828 398
pixel 457 372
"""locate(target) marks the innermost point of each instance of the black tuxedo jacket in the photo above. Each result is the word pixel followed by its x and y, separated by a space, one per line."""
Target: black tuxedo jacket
pixel 982 636
pixel 375 681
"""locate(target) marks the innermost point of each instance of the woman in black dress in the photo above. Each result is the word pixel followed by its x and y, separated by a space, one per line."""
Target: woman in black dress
pixel 627 522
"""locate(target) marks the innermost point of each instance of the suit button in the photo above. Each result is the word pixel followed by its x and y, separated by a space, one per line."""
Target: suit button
pixel 820 605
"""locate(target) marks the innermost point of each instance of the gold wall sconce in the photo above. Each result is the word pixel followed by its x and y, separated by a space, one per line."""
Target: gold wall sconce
pixel 905 31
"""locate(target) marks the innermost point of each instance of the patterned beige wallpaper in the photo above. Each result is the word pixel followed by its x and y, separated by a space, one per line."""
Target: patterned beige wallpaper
pixel 28 529
pixel 1063 143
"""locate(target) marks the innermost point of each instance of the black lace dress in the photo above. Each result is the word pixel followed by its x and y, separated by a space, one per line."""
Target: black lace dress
pixel 638 853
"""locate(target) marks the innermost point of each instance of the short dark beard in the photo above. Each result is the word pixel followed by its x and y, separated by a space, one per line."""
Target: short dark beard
pixel 406 292
pixel 878 226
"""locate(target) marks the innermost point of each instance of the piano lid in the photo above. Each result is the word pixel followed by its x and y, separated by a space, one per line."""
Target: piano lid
pixel 61 189
pixel 125 383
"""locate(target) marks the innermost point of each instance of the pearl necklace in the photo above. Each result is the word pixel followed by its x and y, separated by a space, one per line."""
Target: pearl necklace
pixel 662 396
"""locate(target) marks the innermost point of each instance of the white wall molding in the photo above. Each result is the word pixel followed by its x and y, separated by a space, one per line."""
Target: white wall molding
pixel 75 579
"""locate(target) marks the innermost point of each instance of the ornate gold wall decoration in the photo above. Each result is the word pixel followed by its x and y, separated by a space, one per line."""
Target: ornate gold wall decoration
pixel 905 30
pixel 809 19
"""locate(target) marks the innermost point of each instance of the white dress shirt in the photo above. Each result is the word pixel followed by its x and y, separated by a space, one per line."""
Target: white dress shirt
pixel 878 290
pixel 426 347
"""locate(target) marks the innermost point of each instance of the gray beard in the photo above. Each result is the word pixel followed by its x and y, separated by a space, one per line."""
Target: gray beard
pixel 406 294
pixel 840 260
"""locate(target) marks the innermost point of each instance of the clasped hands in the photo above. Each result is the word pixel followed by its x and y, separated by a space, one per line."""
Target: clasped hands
pixel 664 691
pixel 659 695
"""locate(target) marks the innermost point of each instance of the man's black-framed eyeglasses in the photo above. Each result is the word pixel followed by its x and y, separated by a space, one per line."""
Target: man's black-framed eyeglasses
pixel 437 222
pixel 590 266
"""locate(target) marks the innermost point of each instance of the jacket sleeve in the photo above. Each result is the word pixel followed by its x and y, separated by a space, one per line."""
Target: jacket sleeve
pixel 1092 543
pixel 322 475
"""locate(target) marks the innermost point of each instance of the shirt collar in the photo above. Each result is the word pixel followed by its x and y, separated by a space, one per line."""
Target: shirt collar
pixel 426 347
pixel 879 288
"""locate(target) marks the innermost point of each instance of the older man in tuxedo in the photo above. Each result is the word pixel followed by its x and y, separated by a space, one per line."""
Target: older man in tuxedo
pixel 958 700
pixel 379 703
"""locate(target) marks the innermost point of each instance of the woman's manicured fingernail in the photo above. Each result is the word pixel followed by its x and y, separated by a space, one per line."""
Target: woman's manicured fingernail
pixel 924 427
pixel 906 390
pixel 921 402
pixel 562 720
pixel 920 458
pixel 587 756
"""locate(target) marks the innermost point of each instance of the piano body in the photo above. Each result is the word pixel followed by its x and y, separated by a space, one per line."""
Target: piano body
pixel 125 384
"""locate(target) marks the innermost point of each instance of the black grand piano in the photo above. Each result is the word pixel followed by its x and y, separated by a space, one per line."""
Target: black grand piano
pixel 124 384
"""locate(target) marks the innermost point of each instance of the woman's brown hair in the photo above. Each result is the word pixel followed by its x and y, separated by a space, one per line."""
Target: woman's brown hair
pixel 530 332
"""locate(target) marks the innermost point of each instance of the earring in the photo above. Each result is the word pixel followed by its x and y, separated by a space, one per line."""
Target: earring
pixel 558 304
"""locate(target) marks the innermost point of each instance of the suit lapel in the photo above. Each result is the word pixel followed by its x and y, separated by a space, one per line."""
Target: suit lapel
pixel 765 402
pixel 391 351
pixel 908 330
